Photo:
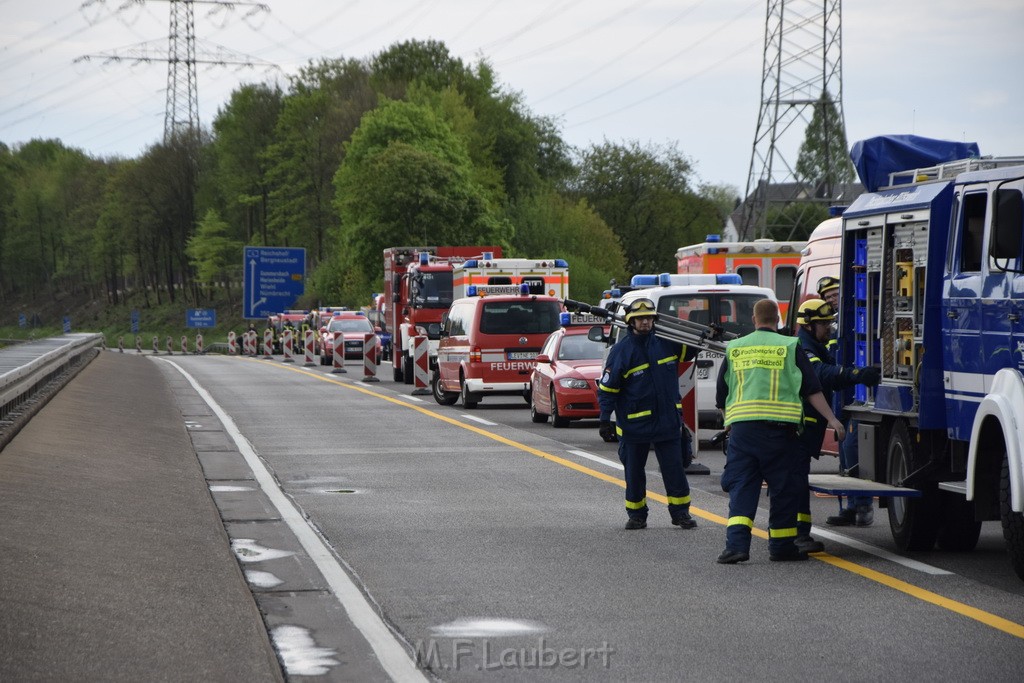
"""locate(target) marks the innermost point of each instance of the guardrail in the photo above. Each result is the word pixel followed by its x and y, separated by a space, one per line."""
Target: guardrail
pixel 26 368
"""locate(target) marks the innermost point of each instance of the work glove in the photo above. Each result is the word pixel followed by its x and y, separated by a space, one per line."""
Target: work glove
pixel 607 431
pixel 686 446
pixel 721 438
pixel 869 376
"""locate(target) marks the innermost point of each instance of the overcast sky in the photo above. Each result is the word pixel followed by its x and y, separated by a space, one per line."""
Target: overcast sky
pixel 686 72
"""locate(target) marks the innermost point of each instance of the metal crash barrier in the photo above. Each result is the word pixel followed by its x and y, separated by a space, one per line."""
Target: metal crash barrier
pixel 27 367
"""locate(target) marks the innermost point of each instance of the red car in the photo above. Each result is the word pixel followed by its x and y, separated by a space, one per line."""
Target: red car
pixel 564 383
pixel 353 326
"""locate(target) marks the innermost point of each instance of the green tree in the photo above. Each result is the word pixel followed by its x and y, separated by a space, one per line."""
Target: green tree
pixel 215 256
pixel 644 194
pixel 823 160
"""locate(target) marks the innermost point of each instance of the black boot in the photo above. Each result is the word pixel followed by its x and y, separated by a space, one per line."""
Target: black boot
pixel 845 517
pixel 683 520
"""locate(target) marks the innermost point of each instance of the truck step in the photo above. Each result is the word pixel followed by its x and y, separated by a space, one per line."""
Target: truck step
pixel 954 486
pixel 837 485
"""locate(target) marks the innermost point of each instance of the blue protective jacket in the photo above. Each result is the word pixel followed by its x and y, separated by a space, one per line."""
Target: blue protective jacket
pixel 830 375
pixel 640 385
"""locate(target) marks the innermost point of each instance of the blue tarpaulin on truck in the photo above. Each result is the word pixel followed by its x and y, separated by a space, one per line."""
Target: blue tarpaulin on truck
pixel 875 158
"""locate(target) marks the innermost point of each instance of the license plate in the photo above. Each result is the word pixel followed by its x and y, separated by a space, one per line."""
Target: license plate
pixel 703 373
pixel 522 355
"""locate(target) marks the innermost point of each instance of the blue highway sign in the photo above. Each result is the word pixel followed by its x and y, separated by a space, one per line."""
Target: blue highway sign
pixel 200 317
pixel 274 278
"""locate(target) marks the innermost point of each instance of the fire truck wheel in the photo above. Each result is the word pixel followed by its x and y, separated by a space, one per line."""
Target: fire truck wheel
pixel 556 419
pixel 959 532
pixel 914 521
pixel 445 398
pixel 407 369
pixel 1013 522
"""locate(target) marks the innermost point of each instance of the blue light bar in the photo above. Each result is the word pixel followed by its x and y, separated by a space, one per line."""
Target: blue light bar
pixel 561 263
pixel 424 258
pixel 644 280
pixel 834 211
pixel 664 280
pixel 713 238
pixel 471 263
pixel 471 290
pixel 524 288
pixel 564 319
pixel 488 256
pixel 729 279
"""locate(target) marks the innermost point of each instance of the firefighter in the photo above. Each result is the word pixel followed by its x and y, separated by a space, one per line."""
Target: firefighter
pixel 640 384
pixel 763 380
pixel 814 318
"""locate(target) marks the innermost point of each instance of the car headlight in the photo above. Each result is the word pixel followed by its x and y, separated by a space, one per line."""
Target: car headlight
pixel 571 383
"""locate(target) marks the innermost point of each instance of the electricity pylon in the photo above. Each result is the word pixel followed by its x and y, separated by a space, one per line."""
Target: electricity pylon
pixel 803 71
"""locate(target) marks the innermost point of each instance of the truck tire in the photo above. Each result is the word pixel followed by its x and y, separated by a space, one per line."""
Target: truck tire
pixel 407 369
pixel 914 522
pixel 1013 522
pixel 959 532
pixel 556 419
pixel 469 399
pixel 445 398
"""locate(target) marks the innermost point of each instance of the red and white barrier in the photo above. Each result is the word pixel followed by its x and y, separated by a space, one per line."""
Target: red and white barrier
pixel 268 344
pixel 286 346
pixel 421 365
pixel 232 343
pixel 309 348
pixel 199 342
pixel 170 346
pixel 370 357
pixel 250 343
pixel 184 344
pixel 120 344
pixel 688 392
pixel 338 357
pixel 138 343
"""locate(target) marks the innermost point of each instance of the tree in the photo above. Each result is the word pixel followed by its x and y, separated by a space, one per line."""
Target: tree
pixel 823 160
pixel 644 195
pixel 215 256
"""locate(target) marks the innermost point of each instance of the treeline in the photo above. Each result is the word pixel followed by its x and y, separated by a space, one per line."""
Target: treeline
pixel 408 147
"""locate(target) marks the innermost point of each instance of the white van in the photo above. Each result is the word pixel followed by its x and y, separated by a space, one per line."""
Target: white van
pixel 702 299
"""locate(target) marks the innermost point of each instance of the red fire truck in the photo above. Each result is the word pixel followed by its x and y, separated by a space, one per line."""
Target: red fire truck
pixel 417 292
pixel 762 263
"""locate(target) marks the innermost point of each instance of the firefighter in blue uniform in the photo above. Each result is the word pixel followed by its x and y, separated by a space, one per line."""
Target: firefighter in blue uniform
pixel 640 385
pixel 814 318
pixel 761 388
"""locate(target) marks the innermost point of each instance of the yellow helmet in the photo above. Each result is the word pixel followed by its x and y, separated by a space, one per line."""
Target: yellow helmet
pixel 640 308
pixel 827 284
pixel 814 310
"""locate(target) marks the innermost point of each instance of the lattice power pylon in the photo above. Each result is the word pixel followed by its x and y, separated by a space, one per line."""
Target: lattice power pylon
pixel 182 115
pixel 802 69
pixel 181 118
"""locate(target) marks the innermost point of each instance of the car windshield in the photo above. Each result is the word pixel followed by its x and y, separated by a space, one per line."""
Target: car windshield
pixel 520 316
pixel 432 290
pixel 579 347
pixel 732 311
pixel 350 325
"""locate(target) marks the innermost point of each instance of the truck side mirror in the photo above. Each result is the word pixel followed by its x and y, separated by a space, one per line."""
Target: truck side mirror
pixel 1008 225
pixel 596 333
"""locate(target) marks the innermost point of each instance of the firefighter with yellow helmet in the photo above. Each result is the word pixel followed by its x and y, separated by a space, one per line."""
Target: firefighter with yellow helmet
pixel 815 318
pixel 640 385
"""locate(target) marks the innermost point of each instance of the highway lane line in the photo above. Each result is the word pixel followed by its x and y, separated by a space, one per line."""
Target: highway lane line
pixel 597 458
pixel 925 595
pixel 480 420
pixel 394 657
pixel 880 552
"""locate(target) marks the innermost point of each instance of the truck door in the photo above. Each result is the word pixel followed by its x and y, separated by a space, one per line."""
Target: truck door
pixel 963 346
pixel 1006 258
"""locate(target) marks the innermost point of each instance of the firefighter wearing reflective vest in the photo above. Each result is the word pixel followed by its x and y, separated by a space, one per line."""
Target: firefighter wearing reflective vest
pixel 640 385
pixel 761 388
pixel 814 318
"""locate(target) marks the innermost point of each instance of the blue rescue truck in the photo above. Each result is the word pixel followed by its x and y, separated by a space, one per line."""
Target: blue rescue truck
pixel 933 294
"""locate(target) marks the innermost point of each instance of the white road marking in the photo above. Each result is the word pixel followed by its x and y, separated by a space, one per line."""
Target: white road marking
pixel 394 658
pixel 879 552
pixel 300 653
pixel 596 458
pixel 480 420
pixel 487 628
pixel 218 488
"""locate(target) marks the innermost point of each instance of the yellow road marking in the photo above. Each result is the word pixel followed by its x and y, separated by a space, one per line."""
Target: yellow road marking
pixel 987 618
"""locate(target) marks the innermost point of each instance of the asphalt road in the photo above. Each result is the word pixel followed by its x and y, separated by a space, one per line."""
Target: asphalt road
pixel 492 548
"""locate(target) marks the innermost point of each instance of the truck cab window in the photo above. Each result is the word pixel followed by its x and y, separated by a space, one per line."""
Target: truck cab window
pixel 972 230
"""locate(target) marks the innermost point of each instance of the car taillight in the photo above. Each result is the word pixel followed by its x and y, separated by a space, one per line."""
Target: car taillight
pixel 474 354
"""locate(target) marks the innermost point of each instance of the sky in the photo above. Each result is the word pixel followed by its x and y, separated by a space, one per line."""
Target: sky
pixel 659 72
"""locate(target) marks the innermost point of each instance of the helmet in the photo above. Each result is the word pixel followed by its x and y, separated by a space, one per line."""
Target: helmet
pixel 814 310
pixel 640 308
pixel 827 284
